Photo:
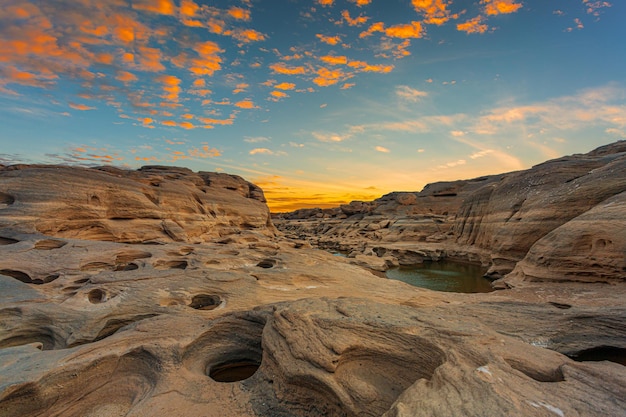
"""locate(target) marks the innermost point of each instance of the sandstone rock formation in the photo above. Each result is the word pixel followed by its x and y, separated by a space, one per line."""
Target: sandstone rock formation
pixel 496 220
pixel 181 299
pixel 155 203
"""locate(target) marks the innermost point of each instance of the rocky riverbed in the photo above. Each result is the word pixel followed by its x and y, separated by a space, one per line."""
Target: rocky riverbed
pixel 167 292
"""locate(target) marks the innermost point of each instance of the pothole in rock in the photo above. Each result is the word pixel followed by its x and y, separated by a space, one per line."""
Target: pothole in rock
pixel 49 244
pixel 205 302
pixel 267 263
pixel 19 275
pixel 21 327
pixel 6 199
pixel 601 353
pixel 229 351
pixel 561 306
pixel 236 370
pixel 126 267
pixel 7 241
pixel 111 385
pixel 97 296
pixel 174 264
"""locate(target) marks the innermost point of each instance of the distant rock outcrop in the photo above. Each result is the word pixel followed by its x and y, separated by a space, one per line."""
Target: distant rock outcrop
pixel 152 204
pixel 496 220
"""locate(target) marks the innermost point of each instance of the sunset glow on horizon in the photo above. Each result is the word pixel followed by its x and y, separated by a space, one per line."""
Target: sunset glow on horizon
pixel 319 102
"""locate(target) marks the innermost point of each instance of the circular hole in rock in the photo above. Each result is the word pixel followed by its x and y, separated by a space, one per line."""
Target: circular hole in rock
pixel 230 349
pixel 6 199
pixel 7 241
pixel 205 302
pixel 127 267
pixel 97 296
pixel 234 371
pixel 267 263
pixel 601 353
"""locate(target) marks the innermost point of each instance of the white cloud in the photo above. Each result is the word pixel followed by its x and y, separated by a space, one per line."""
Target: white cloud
pixel 480 154
pixel 257 139
pixel 329 136
pixel 410 94
pixel 265 151
pixel 382 149
pixel 453 164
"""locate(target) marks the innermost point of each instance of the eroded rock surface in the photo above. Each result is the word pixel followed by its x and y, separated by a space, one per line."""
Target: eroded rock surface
pixel 564 217
pixel 152 204
pixel 183 313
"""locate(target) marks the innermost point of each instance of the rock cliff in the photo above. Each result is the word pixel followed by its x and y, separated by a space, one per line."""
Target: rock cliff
pixel 167 292
pixel 498 221
pixel 160 204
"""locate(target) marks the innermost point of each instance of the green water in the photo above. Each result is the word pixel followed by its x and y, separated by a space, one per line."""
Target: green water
pixel 443 276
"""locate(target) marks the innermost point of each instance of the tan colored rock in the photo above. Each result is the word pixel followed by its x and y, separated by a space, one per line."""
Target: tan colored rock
pixel 152 204
pixel 588 248
pixel 195 307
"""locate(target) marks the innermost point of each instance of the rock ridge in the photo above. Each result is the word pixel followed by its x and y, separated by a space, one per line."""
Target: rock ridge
pixel 499 221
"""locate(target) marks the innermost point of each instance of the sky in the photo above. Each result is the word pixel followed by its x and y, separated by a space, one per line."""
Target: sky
pixel 319 102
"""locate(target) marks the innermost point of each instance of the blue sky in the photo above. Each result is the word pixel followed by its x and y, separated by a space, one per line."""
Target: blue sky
pixel 319 102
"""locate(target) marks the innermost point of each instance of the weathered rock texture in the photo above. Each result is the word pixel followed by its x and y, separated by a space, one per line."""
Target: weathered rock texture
pixel 152 204
pixel 564 218
pixel 221 316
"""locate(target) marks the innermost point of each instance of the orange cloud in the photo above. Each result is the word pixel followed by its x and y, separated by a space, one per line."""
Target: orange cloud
pixel 334 60
pixel 382 149
pixel 365 67
pixel 279 94
pixel 149 59
pixel 474 25
pixel 357 21
pixel 245 104
pixel 125 76
pixel 146 120
pixel 328 77
pixel 281 68
pixel 374 27
pixel 168 123
pixel 171 87
pixel 330 40
pixel 409 30
pixel 199 83
pixel 434 11
pixel 165 7
pixel 361 3
pixel 248 35
pixel 186 125
pixel 188 8
pixel 209 121
pixel 495 7
pixel 325 2
pixel 347 85
pixel 239 13
pixel 285 86
pixel 81 107
pixel 240 88
pixel 204 152
pixel 208 60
